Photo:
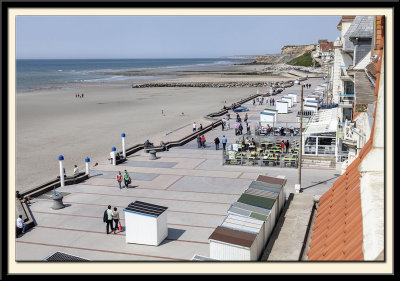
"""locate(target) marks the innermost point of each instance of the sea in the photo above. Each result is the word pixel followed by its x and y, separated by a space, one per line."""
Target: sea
pixel 33 74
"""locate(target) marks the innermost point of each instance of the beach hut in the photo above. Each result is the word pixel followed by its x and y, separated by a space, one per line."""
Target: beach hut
pixel 289 100
pixel 282 106
pixel 227 244
pixel 260 201
pixel 145 223
pixel 250 225
pixel 268 195
pixel 294 96
pixel 277 189
pixel 279 180
pixel 310 107
pixel 268 116
pixel 255 213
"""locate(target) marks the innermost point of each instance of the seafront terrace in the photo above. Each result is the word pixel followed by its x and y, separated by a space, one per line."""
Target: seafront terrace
pixel 190 181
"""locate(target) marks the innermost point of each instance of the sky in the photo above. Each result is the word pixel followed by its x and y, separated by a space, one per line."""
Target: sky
pixel 80 37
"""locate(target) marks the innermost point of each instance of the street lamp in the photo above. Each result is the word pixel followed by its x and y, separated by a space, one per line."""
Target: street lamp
pixel 301 141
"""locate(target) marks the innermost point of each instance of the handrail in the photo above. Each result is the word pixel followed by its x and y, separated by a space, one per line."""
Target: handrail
pixel 42 188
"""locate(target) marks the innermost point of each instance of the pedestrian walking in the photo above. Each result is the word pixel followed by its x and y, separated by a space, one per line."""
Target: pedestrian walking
pixel 200 127
pixel 248 129
pixel 236 126
pixel 127 179
pixel 224 140
pixel 115 217
pixel 222 125
pixel 245 118
pixel 203 141
pixel 194 126
pixel 20 227
pixel 198 141
pixel 240 129
pixel 107 218
pixel 287 146
pixel 228 124
pixel 282 145
pixel 216 141
pixel 119 179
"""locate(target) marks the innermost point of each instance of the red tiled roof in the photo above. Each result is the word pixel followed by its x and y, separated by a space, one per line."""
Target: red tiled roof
pixel 326 46
pixel 338 229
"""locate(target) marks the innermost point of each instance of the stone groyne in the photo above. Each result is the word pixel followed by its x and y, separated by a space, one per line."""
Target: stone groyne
pixel 203 84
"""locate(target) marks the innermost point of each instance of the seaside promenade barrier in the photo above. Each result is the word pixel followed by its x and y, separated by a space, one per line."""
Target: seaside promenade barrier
pixel 55 183
pixel 49 185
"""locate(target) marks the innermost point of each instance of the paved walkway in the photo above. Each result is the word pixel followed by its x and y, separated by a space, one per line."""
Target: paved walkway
pixel 191 182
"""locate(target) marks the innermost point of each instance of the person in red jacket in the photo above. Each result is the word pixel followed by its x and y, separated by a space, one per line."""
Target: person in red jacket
pixel 282 145
pixel 203 141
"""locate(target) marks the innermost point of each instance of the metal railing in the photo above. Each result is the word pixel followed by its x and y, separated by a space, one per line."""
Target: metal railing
pixel 277 129
pixel 265 155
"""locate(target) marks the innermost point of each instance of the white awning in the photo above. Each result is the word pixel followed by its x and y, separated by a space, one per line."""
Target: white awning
pixel 323 121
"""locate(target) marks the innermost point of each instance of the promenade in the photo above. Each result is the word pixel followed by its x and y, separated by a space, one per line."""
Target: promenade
pixel 190 181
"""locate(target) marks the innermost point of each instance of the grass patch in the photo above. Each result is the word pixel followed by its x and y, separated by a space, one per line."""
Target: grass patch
pixel 304 60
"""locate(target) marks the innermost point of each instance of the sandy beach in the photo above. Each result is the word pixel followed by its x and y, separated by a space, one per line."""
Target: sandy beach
pixel 50 122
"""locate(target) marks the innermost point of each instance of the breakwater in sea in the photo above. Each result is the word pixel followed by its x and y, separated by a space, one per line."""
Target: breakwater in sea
pixel 203 84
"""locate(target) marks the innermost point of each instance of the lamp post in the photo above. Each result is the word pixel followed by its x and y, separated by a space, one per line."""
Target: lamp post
pixel 301 141
pixel 123 145
pixel 60 159
pixel 113 155
pixel 87 160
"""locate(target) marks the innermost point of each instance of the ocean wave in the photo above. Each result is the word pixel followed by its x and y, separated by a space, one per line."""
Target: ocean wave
pixel 104 79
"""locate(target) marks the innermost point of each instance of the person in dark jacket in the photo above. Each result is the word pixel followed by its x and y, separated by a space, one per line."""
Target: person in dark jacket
pixel 287 146
pixel 216 141
pixel 240 129
pixel 198 141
